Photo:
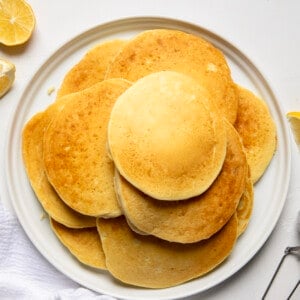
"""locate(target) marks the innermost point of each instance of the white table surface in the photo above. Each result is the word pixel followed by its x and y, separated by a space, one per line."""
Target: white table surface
pixel 267 31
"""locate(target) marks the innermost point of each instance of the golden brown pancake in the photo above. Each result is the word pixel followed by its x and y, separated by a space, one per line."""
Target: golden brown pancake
pixel 85 244
pixel 194 219
pixel 165 136
pixel 171 139
pixel 160 49
pixel 75 156
pixel 91 68
pixel 245 206
pixel 153 263
pixel 257 129
pixel 32 149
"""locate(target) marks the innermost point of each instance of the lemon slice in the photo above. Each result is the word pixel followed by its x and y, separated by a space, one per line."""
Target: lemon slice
pixel 294 118
pixel 7 75
pixel 17 22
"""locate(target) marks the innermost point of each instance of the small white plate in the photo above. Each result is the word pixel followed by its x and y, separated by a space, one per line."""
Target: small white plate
pixel 270 191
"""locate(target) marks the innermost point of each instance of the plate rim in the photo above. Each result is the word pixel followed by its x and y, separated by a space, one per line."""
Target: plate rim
pixel 128 22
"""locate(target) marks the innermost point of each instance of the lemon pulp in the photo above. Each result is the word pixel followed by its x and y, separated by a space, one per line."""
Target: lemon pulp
pixel 7 76
pixel 17 22
pixel 294 119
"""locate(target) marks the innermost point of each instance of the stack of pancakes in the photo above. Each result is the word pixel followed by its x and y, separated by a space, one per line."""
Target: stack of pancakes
pixel 146 161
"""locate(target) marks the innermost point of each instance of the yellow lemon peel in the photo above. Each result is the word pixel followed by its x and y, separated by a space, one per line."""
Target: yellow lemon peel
pixel 7 76
pixel 294 119
pixel 17 22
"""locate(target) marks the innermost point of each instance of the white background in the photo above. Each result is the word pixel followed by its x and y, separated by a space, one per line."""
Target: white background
pixel 267 31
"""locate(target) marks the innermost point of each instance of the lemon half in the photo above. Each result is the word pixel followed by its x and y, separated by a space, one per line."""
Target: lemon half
pixel 294 119
pixel 17 22
pixel 7 76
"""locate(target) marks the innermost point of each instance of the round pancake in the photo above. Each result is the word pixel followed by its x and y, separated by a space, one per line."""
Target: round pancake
pixel 245 206
pixel 75 156
pixel 153 263
pixel 165 137
pixel 91 68
pixel 160 49
pixel 194 219
pixel 32 150
pixel 85 244
pixel 258 132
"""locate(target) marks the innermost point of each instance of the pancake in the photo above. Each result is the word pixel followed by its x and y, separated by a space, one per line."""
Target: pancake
pixel 32 150
pixel 160 49
pixel 91 68
pixel 245 206
pixel 194 219
pixel 85 244
pixel 153 263
pixel 258 132
pixel 75 156
pixel 166 138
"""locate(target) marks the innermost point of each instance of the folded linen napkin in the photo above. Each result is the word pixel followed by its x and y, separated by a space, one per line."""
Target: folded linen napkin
pixel 25 274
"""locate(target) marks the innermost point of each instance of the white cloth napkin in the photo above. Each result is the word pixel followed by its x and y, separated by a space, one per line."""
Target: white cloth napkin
pixel 25 274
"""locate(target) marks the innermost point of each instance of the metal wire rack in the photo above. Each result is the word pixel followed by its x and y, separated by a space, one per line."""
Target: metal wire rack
pixel 288 250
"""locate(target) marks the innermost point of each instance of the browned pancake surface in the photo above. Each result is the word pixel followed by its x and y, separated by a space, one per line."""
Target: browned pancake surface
pixel 75 155
pixel 85 244
pixel 91 68
pixel 194 219
pixel 166 138
pixel 32 149
pixel 150 262
pixel 258 131
pixel 160 49
pixel 245 206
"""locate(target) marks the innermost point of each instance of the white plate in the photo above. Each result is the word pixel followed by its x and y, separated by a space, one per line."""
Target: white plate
pixel 270 192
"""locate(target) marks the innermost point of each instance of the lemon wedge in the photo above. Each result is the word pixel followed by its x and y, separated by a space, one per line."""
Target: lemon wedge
pixel 294 119
pixel 7 76
pixel 17 22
